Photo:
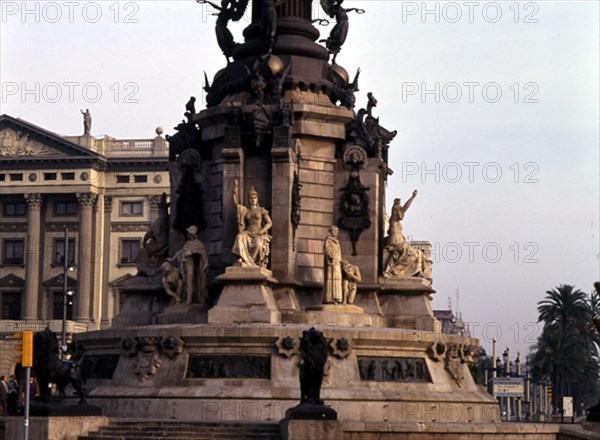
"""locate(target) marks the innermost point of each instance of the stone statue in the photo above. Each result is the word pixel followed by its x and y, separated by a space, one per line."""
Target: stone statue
pixel 155 243
pixel 190 108
pixel 193 267
pixel 404 260
pixel 400 258
pixel 253 243
pixel 314 348
pixel 172 280
pixel 395 235
pixel 332 277
pixel 87 122
pixel 338 34
pixel 350 276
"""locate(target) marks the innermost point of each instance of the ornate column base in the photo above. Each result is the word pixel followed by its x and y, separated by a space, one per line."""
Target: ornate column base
pixel 246 297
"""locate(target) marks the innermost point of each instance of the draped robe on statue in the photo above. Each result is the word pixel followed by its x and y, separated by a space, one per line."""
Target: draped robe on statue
pixel 332 283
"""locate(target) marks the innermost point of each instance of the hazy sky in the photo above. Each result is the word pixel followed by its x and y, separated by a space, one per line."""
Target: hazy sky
pixel 496 106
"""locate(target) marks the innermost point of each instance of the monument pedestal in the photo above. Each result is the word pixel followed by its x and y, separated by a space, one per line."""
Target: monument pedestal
pixel 336 314
pixel 183 313
pixel 406 303
pixel 247 297
pixel 310 422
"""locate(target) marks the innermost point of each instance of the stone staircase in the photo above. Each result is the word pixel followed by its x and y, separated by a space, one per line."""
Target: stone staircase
pixel 184 430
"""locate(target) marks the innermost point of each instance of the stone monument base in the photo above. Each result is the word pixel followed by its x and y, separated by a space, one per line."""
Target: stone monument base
pixel 335 314
pixel 406 303
pixel 247 297
pixel 299 429
pixel 183 313
pixel 54 427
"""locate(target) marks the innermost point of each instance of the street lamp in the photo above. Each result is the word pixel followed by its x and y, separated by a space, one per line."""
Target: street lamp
pixel 67 294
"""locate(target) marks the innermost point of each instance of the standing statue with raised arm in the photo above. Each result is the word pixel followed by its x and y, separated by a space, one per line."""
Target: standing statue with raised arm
pixel 87 122
pixel 395 235
pixel 253 243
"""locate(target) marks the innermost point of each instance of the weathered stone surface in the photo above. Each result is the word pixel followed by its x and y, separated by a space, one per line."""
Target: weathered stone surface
pixel 55 428
pixel 311 429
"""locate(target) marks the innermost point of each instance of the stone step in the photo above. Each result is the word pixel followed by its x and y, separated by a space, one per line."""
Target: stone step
pixel 184 430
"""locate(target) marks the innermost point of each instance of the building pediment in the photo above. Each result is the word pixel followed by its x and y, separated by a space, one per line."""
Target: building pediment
pixel 23 141
pixel 12 281
pixel 57 281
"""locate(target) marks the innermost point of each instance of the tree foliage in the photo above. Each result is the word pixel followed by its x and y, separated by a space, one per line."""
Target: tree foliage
pixel 566 353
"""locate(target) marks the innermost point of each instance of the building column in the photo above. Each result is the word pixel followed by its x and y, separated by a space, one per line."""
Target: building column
pixel 86 256
pixel 107 314
pixel 32 256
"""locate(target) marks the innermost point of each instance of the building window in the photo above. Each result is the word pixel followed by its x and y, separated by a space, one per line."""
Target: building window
pixel 123 178
pixel 15 209
pixel 49 176
pixel 140 179
pixel 11 305
pixel 133 209
pixel 2 177
pixel 130 248
pixel 57 306
pixel 68 176
pixel 65 208
pixel 17 177
pixel 13 252
pixel 59 251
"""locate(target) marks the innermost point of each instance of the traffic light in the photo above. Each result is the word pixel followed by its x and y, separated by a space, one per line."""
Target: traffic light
pixel 549 393
pixel 25 348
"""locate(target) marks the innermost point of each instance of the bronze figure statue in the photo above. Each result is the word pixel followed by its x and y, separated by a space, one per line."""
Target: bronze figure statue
pixel 339 33
pixel 230 10
pixel 49 368
pixel 312 370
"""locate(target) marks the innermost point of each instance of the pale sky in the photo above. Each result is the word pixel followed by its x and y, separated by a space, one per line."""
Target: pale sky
pixel 506 160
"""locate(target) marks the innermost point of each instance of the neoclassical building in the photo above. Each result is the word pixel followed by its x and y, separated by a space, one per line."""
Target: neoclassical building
pixel 106 191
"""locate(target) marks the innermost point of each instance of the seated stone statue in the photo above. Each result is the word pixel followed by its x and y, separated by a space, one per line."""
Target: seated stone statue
pixel 253 243
pixel 192 261
pixel 404 260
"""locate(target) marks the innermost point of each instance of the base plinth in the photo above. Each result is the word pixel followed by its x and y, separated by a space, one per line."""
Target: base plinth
pixel 311 422
pixel 183 313
pixel 247 297
pixel 54 427
pixel 336 314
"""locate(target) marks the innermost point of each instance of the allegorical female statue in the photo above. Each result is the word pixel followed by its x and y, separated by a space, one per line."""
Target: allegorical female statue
pixel 253 243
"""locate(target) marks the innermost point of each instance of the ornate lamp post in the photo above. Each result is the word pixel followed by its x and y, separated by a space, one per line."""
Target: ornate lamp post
pixel 67 294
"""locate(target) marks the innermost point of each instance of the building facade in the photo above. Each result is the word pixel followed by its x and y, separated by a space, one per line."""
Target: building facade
pixel 104 191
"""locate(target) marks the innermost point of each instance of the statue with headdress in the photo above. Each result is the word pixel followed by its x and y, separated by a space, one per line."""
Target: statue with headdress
pixel 253 243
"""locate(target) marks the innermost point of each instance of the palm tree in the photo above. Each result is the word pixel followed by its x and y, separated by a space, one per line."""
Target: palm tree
pixel 565 306
pixel 567 349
